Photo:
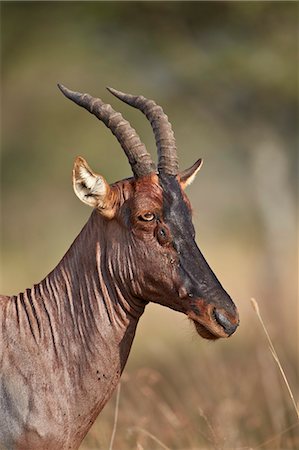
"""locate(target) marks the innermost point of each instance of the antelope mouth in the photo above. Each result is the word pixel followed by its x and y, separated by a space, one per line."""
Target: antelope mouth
pixel 208 331
pixel 212 324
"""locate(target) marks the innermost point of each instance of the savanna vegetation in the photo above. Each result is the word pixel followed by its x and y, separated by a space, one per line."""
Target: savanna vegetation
pixel 226 75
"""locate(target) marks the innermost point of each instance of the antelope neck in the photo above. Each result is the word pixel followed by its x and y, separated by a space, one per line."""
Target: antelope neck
pixel 76 327
pixel 84 294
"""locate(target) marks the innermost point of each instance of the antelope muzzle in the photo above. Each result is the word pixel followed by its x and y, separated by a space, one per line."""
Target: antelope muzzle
pixel 213 321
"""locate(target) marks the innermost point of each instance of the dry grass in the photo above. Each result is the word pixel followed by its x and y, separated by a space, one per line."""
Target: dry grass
pixel 274 354
pixel 115 416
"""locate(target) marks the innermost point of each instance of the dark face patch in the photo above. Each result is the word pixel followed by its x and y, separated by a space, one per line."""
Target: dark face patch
pixel 197 277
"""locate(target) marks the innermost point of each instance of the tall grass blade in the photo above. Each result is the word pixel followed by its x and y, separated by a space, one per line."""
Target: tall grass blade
pixel 115 417
pixel 274 354
pixel 151 436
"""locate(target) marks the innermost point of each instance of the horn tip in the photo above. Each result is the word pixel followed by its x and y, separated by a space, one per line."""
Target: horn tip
pixel 72 95
pixel 112 90
pixel 63 89
pixel 116 93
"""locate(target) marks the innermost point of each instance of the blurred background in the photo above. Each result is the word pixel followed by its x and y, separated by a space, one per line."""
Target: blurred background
pixel 226 75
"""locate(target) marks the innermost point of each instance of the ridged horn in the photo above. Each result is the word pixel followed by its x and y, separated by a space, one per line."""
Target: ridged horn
pixel 165 140
pixel 135 150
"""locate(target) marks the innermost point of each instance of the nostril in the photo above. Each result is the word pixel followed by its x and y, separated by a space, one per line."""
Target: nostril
pixel 226 324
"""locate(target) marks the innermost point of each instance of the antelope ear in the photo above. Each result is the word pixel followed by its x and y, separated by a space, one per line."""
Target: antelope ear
pixel 92 188
pixel 188 175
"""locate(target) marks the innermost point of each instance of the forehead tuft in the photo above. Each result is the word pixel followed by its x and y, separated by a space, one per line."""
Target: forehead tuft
pixel 148 188
pixel 162 192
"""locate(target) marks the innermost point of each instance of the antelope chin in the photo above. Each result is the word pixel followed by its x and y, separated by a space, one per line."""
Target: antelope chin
pixel 205 332
pixel 207 329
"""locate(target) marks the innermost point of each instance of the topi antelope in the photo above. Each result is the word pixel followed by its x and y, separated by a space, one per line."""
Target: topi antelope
pixel 64 342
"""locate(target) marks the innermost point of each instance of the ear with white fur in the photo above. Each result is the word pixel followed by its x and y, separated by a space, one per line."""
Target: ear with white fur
pixel 188 175
pixel 92 188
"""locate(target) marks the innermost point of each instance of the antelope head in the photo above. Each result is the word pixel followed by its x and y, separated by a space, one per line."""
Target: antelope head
pixel 148 222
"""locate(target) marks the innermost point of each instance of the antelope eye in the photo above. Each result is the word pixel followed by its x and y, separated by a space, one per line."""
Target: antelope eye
pixel 147 217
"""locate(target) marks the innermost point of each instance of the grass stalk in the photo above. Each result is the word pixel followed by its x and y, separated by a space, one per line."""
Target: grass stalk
pixel 274 354
pixel 115 417
pixel 276 436
pixel 151 436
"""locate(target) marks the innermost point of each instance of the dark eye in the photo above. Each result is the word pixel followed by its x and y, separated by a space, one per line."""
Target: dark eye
pixel 146 217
